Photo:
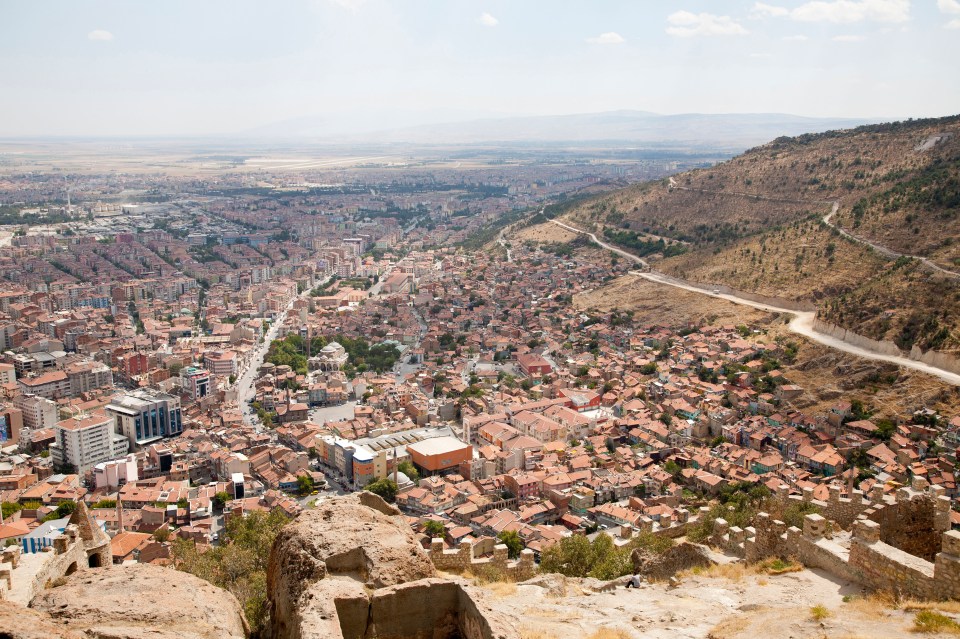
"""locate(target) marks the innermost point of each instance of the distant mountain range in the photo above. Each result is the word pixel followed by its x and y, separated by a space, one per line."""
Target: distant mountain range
pixel 735 130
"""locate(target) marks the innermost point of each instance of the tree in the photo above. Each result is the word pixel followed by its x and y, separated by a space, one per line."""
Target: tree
pixel 105 503
pixel 220 499
pixel 407 468
pixel 672 467
pixel 64 509
pixel 386 488
pixel 512 540
pixel 434 528
pixel 162 534
pixel 9 508
pixel 239 566
pixel 183 502
pixel 305 484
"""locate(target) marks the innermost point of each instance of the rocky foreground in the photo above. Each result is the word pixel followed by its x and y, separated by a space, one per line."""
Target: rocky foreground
pixel 352 568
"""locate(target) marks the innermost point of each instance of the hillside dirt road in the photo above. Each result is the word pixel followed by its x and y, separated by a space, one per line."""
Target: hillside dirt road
pixel 801 324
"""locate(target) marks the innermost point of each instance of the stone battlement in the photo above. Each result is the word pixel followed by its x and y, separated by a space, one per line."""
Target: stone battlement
pixel 463 559
pixel 902 543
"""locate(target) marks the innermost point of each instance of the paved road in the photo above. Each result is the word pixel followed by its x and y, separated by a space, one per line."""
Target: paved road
pixel 245 388
pixel 802 323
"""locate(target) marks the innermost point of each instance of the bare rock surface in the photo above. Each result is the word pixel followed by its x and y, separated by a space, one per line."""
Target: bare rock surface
pixel 334 552
pixel 143 601
pixel 17 622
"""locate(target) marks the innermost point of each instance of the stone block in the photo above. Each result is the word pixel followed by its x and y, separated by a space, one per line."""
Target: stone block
pixel 626 531
pixel 808 494
pixel 951 543
pixel 814 526
pixel 876 494
pixel 866 531
pixel 856 498
pixel 920 484
pixel 834 494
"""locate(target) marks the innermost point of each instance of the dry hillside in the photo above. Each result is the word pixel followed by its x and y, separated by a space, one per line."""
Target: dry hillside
pixel 755 223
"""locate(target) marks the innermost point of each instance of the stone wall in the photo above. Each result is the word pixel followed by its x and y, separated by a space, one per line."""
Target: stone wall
pixel 901 543
pixel 464 558
pixel 68 554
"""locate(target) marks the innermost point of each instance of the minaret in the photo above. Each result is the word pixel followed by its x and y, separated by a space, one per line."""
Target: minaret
pixel 120 528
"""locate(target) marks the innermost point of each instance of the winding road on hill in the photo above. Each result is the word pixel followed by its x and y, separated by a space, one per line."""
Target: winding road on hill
pixel 828 220
pixel 801 324
pixel 883 250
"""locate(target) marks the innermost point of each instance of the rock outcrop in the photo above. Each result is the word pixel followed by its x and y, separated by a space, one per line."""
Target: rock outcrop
pixel 353 568
pixel 683 556
pixel 140 601
pixel 17 622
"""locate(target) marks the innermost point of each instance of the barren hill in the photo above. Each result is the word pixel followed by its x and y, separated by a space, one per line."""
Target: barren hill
pixel 756 223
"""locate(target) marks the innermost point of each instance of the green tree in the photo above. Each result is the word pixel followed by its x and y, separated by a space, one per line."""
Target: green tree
pixel 305 484
pixel 220 499
pixel 106 503
pixel 9 508
pixel 385 487
pixel 434 528
pixel 407 468
pixel 512 540
pixel 239 566
pixel 64 509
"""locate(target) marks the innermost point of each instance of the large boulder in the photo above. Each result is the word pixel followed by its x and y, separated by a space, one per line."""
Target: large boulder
pixel 335 552
pixel 141 600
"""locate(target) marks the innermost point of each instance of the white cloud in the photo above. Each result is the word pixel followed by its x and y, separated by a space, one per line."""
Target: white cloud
pixel 488 20
pixel 610 37
pixel 847 11
pixel 761 56
pixel 795 38
pixel 848 38
pixel 685 24
pixel 953 24
pixel 949 6
pixel 100 34
pixel 762 10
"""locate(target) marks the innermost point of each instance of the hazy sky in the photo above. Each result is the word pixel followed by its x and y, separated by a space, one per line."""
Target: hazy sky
pixel 102 67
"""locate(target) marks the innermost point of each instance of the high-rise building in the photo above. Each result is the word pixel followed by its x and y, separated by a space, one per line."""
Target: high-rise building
pixel 144 416
pixel 86 440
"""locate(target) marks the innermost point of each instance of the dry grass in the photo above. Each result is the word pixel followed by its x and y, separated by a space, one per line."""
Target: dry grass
pixel 778 566
pixel 913 605
pixel 566 614
pixel 819 612
pixel 529 632
pixel 501 588
pixel 928 621
pixel 729 628
pixel 875 606
pixel 733 572
pixel 609 633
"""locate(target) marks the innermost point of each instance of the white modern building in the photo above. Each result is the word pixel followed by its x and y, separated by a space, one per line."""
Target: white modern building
pixel 86 440
pixel 145 416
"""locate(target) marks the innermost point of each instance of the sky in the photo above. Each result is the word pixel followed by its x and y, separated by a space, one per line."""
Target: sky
pixel 228 67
